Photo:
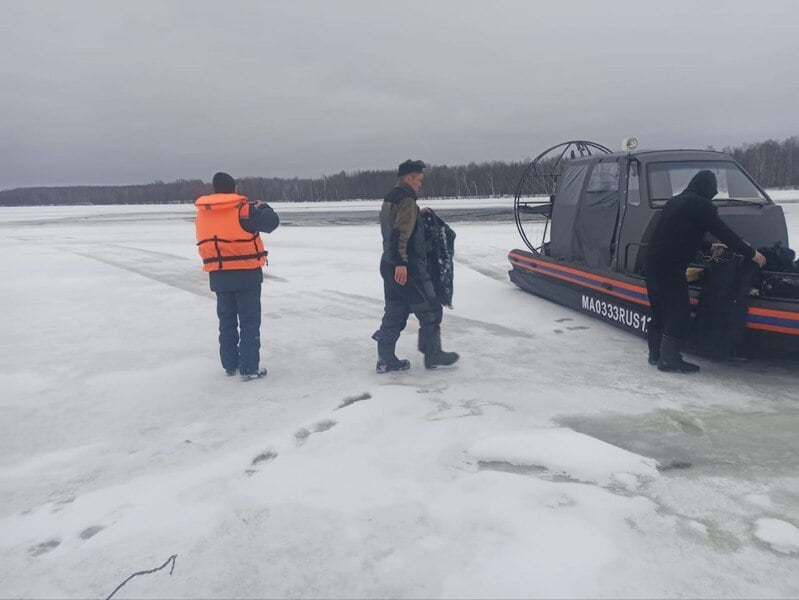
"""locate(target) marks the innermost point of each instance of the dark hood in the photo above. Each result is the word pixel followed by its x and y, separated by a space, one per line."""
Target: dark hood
pixel 400 192
pixel 704 183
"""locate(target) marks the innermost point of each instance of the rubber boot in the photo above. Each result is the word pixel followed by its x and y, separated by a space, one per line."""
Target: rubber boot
pixel 387 361
pixel 434 356
pixel 654 337
pixel 670 358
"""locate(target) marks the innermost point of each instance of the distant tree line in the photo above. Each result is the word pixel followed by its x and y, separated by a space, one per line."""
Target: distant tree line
pixel 157 192
pixel 772 163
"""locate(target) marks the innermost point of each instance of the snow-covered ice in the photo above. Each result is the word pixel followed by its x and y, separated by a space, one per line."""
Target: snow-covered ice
pixel 122 442
pixel 782 536
pixel 566 453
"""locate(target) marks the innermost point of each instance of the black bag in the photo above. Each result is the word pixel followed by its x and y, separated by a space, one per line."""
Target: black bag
pixel 777 285
pixel 721 316
pixel 780 259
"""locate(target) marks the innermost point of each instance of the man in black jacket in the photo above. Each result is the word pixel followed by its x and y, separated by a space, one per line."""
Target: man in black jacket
pixel 407 284
pixel 228 238
pixel 679 235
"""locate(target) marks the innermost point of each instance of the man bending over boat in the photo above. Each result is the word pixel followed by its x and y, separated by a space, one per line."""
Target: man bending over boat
pixel 685 220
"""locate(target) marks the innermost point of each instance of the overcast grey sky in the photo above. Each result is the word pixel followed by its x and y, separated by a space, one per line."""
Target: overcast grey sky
pixel 111 92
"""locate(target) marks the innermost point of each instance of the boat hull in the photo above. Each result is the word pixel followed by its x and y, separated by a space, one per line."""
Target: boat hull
pixel 772 327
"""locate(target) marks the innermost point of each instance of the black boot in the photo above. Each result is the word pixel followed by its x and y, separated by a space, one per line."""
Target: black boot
pixel 434 356
pixel 670 358
pixel 654 337
pixel 388 361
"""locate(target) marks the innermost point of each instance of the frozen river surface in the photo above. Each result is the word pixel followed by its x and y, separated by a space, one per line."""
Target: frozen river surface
pixel 551 461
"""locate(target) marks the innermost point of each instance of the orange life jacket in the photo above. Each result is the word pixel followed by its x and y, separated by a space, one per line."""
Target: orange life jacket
pixel 221 240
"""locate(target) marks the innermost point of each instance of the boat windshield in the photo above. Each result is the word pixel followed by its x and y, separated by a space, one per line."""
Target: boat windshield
pixel 667 179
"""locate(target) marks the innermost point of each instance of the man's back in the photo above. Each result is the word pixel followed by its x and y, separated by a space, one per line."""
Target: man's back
pixel 259 218
pixel 683 223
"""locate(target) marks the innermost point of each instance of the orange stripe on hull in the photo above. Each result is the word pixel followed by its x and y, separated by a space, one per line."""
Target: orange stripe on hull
pixel 587 275
pixel 774 328
pixel 780 314
pixel 517 260
pixel 549 265
pixel 588 285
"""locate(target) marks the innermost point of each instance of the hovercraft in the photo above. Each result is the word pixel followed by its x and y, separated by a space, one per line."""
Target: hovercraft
pixel 586 215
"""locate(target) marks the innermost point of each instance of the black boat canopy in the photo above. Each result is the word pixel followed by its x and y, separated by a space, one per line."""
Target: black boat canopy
pixel 585 212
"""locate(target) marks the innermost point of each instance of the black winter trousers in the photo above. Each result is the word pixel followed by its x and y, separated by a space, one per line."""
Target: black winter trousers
pixel 671 305
pixel 401 301
pixel 239 315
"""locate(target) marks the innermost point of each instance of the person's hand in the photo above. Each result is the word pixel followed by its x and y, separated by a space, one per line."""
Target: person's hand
pixel 401 274
pixel 257 203
pixel 717 249
pixel 426 209
pixel 759 259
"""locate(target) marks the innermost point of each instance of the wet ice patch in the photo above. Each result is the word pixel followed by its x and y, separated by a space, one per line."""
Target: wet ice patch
pixel 690 424
pixel 566 453
pixel 779 535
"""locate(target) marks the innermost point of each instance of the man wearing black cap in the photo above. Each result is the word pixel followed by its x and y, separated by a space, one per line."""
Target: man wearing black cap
pixel 407 285
pixel 685 220
pixel 228 239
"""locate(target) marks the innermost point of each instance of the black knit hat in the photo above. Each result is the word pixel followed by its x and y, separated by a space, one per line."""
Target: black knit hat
pixel 410 166
pixel 224 184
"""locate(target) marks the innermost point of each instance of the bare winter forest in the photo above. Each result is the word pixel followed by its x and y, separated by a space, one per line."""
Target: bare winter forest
pixel 774 164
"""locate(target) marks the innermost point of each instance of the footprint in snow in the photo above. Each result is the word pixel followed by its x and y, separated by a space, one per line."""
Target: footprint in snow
pixel 435 390
pixel 323 425
pixel 572 328
pixel 353 399
pixel 264 457
pixel 90 532
pixel 44 547
pixel 563 320
pixel 301 436
pixel 59 505
pixel 303 433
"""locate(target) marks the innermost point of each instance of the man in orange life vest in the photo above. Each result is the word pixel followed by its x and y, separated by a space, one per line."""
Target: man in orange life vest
pixel 229 243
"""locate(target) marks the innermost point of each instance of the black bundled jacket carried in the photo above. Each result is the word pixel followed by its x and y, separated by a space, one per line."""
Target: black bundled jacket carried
pixel 419 240
pixel 440 243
